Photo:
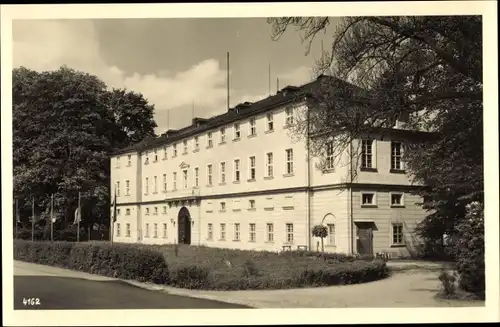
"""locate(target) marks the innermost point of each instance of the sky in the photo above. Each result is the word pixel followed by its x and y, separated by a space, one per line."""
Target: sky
pixel 176 63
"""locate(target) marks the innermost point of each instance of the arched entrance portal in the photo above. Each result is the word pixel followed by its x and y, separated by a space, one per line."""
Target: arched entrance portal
pixel 184 226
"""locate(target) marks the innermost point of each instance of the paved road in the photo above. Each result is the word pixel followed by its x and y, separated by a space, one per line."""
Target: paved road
pixel 63 292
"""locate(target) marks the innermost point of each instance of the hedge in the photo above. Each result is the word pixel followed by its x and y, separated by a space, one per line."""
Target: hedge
pixel 117 260
pixel 200 267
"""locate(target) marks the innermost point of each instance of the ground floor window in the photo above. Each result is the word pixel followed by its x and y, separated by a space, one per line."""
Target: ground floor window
pixel 331 234
pixel 210 232
pixel 223 232
pixel 155 231
pixel 289 233
pixel 146 232
pixel 236 232
pixel 164 230
pixel 270 232
pixel 118 229
pixel 397 234
pixel 252 232
pixel 128 230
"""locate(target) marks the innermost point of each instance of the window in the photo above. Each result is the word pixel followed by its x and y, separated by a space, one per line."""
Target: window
pixel 117 162
pixel 237 232
pixel 118 229
pixel 155 155
pixel 331 234
pixel 164 153
pixel 396 162
pixel 367 199
pixel 209 174
pixel 175 181
pixel 185 178
pixel 164 230
pixel 289 233
pixel 223 172
pixel 237 132
pixel 127 230
pixel 270 232
pixel 270 123
pixel 155 180
pixel 253 130
pixel 129 160
pixel 289 161
pixel 164 209
pixel 366 154
pixel 288 116
pixel 252 232
pixel 127 187
pixel 196 176
pixel 146 161
pixel 252 168
pixel 164 183
pixel 210 232
pixel 185 143
pixel 127 212
pixel 269 164
pixel 210 141
pixel 146 185
pixel 251 204
pixel 222 231
pixel 237 170
pixel 397 234
pixel 117 188
pixel 222 135
pixel 223 206
pixel 175 150
pixel 396 199
pixel 329 155
pixel 156 211
pixel 147 211
pixel 196 143
pixel 117 212
pixel 155 230
pixel 146 230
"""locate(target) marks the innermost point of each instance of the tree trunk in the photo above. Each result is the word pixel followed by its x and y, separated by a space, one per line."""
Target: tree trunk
pixel 322 246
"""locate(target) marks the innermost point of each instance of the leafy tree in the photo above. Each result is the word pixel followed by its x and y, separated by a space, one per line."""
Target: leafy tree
pixel 321 232
pixel 65 125
pixel 425 71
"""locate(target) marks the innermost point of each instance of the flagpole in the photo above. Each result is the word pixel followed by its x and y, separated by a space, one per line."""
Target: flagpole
pixel 78 218
pixel 52 218
pixel 32 219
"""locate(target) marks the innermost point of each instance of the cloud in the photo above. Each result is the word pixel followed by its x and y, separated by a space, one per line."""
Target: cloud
pixel 47 45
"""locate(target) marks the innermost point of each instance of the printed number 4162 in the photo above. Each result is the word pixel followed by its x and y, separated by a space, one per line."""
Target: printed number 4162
pixel 31 301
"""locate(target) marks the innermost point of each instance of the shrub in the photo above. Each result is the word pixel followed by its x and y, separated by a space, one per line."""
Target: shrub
pixel 470 251
pixel 447 283
pixel 117 260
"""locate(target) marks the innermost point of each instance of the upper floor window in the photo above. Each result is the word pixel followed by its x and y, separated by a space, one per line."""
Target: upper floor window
pixel 222 172
pixel 396 156
pixel 237 170
pixel 175 149
pixel 196 143
pixel 270 122
pixel 209 174
pixel 185 178
pixel 129 160
pixel 237 132
pixel 288 116
pixel 117 188
pixel 210 140
pixel 222 135
pixel 175 181
pixel 269 164
pixel 146 189
pixel 367 154
pixel 196 177
pixel 127 187
pixel 155 155
pixel 164 153
pixel 164 183
pixel 253 129
pixel 117 162
pixel 146 160
pixel 329 155
pixel 252 167
pixel 155 185
pixel 289 161
pixel 185 142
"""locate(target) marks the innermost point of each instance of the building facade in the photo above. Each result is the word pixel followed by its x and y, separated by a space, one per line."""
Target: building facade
pixel 240 180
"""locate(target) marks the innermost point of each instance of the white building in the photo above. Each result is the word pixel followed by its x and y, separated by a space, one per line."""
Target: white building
pixel 238 180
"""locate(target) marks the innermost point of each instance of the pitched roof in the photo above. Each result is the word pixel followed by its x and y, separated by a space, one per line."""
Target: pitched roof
pixel 286 95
